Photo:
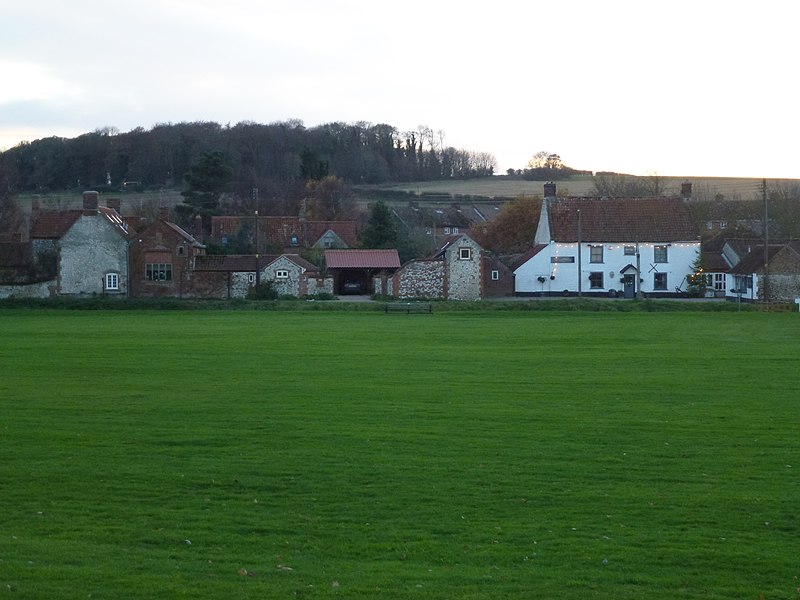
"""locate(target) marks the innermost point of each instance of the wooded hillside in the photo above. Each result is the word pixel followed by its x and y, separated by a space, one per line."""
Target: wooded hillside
pixel 273 158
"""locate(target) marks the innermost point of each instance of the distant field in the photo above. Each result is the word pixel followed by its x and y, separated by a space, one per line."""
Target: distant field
pixel 491 187
pixel 487 187
pixel 359 455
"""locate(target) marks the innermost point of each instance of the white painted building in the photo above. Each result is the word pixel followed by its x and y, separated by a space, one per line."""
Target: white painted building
pixel 610 247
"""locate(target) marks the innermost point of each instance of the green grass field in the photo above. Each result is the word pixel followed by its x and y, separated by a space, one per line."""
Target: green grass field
pixel 218 454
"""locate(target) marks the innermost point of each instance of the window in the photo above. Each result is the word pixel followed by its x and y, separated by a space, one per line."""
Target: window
pixel 464 253
pixel 660 254
pixel 719 282
pixel 447 231
pixel 158 272
pixel 596 254
pixel 596 279
pixel 455 230
pixel 295 241
pixel 112 282
pixel 630 250
pixel 659 281
pixel 742 283
pixel 251 278
pixel 181 250
pixel 281 274
pixel 495 275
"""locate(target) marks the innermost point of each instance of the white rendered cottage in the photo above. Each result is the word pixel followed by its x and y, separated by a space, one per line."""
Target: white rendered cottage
pixel 610 247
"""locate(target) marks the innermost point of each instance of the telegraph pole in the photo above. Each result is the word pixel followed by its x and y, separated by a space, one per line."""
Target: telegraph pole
pixel 258 273
pixel 580 289
pixel 766 240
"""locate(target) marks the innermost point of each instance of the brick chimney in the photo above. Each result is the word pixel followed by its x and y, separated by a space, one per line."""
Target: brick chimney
pixel 550 190
pixel 115 203
pixel 686 189
pixel 90 201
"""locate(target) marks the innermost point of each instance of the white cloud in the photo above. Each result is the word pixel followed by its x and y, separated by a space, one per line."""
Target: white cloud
pixel 621 85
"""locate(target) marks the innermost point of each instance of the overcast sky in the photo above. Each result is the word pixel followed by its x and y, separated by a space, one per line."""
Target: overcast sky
pixel 696 87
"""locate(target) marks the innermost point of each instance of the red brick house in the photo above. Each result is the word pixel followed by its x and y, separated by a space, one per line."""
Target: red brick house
pixel 162 259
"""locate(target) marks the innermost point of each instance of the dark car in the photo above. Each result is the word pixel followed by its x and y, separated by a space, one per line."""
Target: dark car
pixel 351 287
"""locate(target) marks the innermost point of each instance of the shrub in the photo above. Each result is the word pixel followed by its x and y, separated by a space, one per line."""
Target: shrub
pixel 263 291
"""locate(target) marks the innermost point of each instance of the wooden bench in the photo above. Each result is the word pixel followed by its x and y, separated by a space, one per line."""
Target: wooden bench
pixel 408 308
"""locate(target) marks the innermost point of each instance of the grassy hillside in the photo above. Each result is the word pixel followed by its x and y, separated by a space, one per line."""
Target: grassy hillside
pixel 505 187
pixel 355 455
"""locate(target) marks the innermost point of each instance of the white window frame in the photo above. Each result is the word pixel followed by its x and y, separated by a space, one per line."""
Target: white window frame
pixel 455 230
pixel 465 254
pixel 447 231
pixel 251 278
pixel 111 282
pixel 281 274
pixel 495 275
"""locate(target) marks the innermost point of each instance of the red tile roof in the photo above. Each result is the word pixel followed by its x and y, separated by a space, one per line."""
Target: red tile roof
pixel 53 224
pixel 242 263
pixel 362 259
pixel 621 220
pixel 346 230
pixel 299 261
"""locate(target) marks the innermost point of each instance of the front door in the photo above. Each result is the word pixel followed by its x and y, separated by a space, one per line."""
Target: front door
pixel 629 286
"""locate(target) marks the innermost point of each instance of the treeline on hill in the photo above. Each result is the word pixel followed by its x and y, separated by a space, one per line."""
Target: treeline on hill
pixel 275 158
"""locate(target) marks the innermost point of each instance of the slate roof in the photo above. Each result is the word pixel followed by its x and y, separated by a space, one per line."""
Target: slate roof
pixel 115 219
pixel 621 220
pixel 714 262
pixel 362 259
pixel 754 261
pixel 186 236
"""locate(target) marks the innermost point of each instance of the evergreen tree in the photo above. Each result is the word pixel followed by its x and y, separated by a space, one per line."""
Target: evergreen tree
pixel 380 231
pixel 208 180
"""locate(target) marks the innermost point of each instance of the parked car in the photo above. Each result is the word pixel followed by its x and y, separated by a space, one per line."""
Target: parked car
pixel 352 287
